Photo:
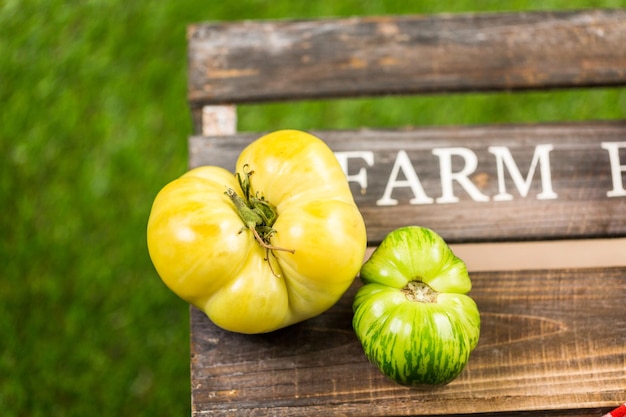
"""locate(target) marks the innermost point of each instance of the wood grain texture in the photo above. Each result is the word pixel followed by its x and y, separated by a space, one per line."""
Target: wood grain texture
pixel 580 173
pixel 254 61
pixel 553 342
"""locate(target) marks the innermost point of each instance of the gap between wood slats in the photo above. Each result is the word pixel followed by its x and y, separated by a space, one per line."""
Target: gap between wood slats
pixel 540 255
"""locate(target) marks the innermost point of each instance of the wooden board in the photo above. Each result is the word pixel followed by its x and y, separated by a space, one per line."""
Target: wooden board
pixel 276 60
pixel 551 341
pixel 576 168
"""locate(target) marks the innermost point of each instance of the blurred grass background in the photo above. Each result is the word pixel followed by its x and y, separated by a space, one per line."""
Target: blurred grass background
pixel 93 122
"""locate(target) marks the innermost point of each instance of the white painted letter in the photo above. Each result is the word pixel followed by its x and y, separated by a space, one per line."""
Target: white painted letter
pixel 447 176
pixel 616 169
pixel 541 156
pixel 361 177
pixel 403 163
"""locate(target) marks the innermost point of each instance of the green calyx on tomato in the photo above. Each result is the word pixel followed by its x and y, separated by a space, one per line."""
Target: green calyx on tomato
pixel 275 243
pixel 258 214
pixel 412 315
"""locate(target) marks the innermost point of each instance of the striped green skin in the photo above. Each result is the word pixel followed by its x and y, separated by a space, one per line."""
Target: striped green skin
pixel 412 342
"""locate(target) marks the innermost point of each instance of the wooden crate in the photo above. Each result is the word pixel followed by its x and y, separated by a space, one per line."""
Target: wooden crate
pixel 553 341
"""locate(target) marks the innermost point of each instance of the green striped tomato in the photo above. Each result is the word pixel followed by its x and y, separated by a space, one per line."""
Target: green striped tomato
pixel 412 314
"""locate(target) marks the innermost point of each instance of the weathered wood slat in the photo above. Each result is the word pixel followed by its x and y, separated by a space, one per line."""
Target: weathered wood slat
pixel 576 168
pixel 277 60
pixel 550 340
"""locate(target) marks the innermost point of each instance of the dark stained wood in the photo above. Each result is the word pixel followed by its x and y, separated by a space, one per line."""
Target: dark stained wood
pixel 553 342
pixel 580 177
pixel 550 340
pixel 277 60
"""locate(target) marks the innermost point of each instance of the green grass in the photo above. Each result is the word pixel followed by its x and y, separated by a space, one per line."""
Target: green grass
pixel 93 122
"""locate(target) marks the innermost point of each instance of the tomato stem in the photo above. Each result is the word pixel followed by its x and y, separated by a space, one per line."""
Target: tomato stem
pixel 268 245
pixel 257 214
pixel 420 292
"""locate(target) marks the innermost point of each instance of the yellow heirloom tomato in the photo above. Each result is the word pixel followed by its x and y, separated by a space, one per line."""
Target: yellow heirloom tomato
pixel 277 243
